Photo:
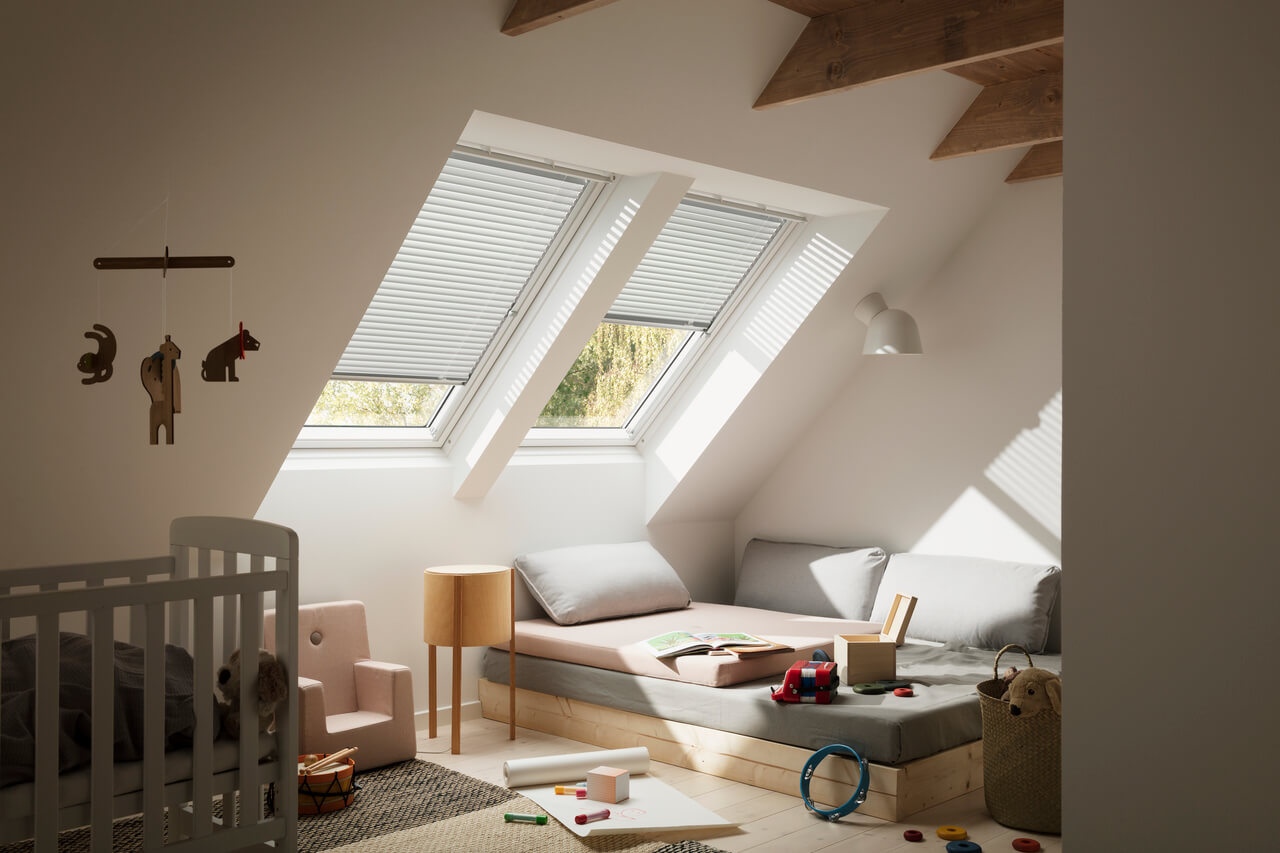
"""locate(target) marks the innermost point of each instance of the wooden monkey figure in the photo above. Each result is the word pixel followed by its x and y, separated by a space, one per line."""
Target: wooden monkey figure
pixel 160 378
pixel 98 364
pixel 220 364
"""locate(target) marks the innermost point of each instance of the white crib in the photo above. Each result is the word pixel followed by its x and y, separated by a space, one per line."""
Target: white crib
pixel 209 607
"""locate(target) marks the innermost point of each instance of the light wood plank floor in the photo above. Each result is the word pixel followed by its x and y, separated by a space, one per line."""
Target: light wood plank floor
pixel 769 822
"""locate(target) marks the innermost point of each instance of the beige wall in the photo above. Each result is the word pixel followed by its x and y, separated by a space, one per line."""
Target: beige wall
pixel 1171 462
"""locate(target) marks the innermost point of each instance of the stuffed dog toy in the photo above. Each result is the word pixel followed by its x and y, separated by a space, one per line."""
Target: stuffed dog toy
pixel 272 686
pixel 1032 690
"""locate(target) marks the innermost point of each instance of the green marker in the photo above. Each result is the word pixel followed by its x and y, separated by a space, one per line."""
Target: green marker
pixel 524 818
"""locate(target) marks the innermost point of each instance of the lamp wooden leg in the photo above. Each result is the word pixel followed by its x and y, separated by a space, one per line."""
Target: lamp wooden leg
pixel 511 656
pixel 431 691
pixel 456 745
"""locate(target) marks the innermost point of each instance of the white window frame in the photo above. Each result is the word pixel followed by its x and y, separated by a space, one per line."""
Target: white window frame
pixel 685 360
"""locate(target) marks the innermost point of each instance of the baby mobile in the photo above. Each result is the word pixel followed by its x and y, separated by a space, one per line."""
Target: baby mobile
pixel 159 370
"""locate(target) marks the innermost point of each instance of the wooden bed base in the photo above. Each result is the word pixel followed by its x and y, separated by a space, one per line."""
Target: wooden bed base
pixel 895 792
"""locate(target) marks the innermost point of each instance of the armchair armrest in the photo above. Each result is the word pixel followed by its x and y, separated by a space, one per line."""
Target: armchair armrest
pixel 384 688
pixel 311 716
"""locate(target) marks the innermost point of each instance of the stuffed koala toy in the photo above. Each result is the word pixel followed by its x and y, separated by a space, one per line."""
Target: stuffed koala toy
pixel 273 687
pixel 1032 690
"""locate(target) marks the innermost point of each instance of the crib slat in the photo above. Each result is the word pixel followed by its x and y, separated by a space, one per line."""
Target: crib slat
pixel 102 685
pixel 229 620
pixel 287 723
pixel 250 641
pixel 136 622
pixel 48 653
pixel 179 616
pixel 153 736
pixel 202 748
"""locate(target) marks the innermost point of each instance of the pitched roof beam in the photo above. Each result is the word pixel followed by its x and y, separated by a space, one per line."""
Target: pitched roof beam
pixel 1007 115
pixel 529 15
pixel 882 39
pixel 1042 161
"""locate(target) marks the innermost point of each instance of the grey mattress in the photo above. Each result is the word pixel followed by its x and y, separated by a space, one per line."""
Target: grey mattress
pixel 886 729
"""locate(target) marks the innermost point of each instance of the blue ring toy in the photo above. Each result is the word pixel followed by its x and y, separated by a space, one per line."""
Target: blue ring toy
pixel 859 795
pixel 963 847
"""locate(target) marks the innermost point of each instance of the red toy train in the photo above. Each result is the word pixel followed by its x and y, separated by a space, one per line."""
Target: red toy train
pixel 808 681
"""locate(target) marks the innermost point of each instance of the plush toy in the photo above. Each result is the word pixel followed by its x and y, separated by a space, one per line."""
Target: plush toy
pixel 1032 690
pixel 273 687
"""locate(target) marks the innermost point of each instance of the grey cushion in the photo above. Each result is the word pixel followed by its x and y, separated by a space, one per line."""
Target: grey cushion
pixel 816 580
pixel 588 582
pixel 972 600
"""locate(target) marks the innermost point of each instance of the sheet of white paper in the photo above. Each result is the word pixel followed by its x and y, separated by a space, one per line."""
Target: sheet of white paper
pixel 653 806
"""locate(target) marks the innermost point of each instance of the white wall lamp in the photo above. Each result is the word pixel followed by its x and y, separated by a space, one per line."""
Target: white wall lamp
pixel 889 331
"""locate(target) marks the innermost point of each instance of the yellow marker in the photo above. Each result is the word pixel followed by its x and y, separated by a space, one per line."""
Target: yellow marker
pixel 571 790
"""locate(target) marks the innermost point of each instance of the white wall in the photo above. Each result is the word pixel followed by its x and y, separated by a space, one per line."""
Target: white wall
pixel 301 137
pixel 1172 458
pixel 902 456
pixel 369 523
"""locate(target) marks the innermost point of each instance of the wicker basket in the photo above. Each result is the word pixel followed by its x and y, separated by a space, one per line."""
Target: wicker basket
pixel 1021 759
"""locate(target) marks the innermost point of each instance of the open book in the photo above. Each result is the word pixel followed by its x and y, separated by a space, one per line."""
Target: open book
pixel 675 643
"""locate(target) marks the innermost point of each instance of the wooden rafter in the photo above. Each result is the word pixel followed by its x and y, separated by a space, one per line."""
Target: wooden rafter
pixel 529 15
pixel 883 39
pixel 1007 115
pixel 1042 161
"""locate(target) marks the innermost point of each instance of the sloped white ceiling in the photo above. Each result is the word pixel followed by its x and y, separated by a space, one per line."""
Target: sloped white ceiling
pixel 301 137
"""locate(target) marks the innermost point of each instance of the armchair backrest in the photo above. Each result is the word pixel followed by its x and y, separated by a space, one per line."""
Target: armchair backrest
pixel 332 636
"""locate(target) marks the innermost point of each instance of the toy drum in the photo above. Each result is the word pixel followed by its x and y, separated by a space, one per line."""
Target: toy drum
pixel 328 790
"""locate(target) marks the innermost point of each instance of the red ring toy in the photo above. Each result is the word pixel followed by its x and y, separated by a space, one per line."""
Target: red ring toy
pixel 913 835
pixel 904 691
pixel 1026 845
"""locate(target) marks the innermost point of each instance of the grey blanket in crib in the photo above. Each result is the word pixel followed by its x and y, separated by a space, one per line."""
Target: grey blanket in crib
pixel 18 703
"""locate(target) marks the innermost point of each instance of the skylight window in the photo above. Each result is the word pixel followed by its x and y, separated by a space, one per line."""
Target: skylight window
pixel 481 238
pixel 699 260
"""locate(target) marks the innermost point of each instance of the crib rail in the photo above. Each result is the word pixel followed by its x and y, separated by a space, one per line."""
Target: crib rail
pixel 179 598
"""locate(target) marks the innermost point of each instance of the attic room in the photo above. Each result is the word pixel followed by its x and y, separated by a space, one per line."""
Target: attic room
pixel 1065 407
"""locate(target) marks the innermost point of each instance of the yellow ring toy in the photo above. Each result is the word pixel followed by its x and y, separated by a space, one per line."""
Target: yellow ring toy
pixel 952 833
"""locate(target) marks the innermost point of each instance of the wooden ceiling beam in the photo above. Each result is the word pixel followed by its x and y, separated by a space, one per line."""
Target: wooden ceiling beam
pixel 1042 161
pixel 529 15
pixel 882 39
pixel 1007 115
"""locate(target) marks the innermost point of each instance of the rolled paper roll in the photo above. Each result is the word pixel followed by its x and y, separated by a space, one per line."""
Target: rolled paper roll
pixel 550 769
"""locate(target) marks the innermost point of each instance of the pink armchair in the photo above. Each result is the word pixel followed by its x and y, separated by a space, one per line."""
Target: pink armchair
pixel 345 699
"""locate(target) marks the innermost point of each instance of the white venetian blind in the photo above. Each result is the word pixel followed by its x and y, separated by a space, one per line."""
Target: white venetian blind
pixel 701 255
pixel 474 246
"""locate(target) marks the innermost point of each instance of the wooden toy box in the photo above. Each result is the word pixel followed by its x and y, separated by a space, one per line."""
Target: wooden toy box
pixel 873 657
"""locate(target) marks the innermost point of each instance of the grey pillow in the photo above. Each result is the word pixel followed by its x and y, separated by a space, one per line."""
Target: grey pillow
pixel 972 600
pixel 816 580
pixel 588 582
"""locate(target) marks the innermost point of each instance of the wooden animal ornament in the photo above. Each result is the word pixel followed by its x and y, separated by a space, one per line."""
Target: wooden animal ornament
pixel 160 378
pixel 220 364
pixel 98 364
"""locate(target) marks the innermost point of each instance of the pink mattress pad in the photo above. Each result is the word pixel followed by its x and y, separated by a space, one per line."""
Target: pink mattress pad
pixel 618 644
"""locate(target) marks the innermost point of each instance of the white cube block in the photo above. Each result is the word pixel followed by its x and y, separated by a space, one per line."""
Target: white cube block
pixel 608 785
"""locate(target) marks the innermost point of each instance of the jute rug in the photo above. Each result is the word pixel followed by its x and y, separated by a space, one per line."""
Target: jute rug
pixel 417 806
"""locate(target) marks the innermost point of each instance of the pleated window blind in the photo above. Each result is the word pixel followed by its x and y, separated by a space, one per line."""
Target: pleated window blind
pixel 473 248
pixel 699 258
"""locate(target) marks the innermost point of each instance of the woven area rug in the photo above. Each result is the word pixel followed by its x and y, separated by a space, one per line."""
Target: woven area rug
pixel 418 806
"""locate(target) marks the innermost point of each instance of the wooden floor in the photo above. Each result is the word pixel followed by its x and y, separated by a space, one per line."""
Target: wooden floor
pixel 769 822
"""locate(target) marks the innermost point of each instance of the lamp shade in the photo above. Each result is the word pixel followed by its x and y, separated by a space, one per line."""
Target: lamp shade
pixel 889 330
pixel 480 596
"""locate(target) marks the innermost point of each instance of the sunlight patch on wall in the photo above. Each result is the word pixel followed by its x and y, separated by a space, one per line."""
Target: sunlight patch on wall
pixel 819 264
pixel 733 378
pixel 1029 469
pixel 974 526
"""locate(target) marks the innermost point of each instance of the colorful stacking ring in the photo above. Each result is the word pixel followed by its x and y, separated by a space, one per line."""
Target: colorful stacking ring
pixel 952 833
pixel 913 835
pixel 1026 845
pixel 904 691
pixel 869 688
pixel 963 847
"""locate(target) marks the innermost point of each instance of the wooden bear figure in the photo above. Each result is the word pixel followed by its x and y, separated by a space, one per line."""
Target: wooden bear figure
pixel 220 364
pixel 98 364
pixel 160 378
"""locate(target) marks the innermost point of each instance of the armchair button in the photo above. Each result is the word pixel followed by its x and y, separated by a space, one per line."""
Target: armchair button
pixel 315 638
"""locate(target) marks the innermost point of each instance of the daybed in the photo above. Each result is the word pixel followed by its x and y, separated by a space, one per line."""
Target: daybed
pixel 592 681
pixel 103 627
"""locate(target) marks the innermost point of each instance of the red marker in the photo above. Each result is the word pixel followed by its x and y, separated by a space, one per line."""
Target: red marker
pixel 588 817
